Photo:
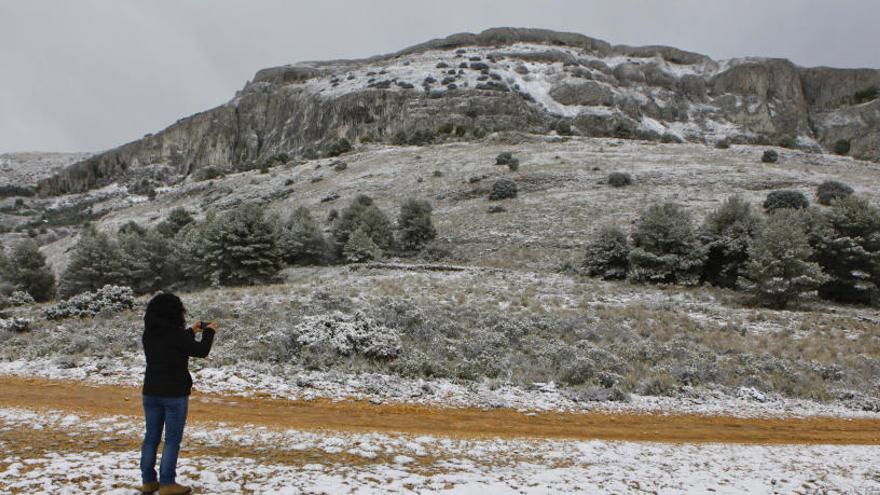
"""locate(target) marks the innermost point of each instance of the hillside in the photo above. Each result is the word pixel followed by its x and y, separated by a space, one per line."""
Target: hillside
pixel 506 79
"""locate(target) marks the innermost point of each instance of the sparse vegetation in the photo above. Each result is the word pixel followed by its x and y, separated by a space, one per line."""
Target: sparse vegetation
pixel 338 147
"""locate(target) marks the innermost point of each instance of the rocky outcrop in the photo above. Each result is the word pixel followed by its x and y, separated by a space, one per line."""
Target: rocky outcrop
pixel 507 79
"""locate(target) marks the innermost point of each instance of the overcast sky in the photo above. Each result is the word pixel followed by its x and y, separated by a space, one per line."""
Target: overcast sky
pixel 88 75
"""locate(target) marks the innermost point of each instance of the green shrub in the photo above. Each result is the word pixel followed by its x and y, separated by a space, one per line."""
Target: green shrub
pixel 421 137
pixel 866 95
pixel 504 158
pixel 503 189
pixel 338 147
pixel 30 272
pixel 789 142
pixel 831 190
pixel 414 225
pixel 301 239
pixel 785 198
pixel 446 128
pixel 400 138
pixel 727 233
pixel 770 156
pixel 665 247
pixel 96 261
pixel 722 144
pixel 619 179
pixel 669 137
pixel 607 255
pixel 779 270
pixel 842 146
pixel 208 173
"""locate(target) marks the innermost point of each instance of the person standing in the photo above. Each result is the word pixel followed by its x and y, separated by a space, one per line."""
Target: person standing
pixel 168 345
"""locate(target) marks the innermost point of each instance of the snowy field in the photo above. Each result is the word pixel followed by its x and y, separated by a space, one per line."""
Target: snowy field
pixel 221 459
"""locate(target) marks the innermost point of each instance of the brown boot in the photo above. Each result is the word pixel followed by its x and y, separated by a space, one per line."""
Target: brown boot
pixel 149 488
pixel 174 489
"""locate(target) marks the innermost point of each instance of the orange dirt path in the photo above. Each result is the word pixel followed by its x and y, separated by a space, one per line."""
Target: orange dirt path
pixel 362 416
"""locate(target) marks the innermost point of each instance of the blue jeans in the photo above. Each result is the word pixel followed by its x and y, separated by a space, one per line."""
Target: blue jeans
pixel 169 412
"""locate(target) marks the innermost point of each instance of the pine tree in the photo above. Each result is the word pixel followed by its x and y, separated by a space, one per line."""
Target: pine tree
pixel 301 239
pixel 727 233
pixel 779 269
pixel 240 248
pixel 849 251
pixel 96 262
pixel 177 219
pixel 6 275
pixel 360 247
pixel 31 274
pixel 665 247
pixel 148 260
pixel 363 213
pixel 414 225
pixel 607 255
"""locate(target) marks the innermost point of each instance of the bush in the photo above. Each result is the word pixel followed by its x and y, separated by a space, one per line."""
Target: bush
pixel 338 147
pixel 414 225
pixel 421 137
pixel 779 268
pixel 669 137
pixel 239 247
pixel 727 233
pixel 607 255
pixel 301 239
pixel 110 298
pixel 619 179
pixel 208 173
pixel 20 298
pixel 31 273
pixel 513 165
pixel 347 335
pixel 866 95
pixel 849 251
pixel 17 325
pixel 504 158
pixel 503 189
pixel 400 138
pixel 722 144
pixel 363 213
pixel 783 199
pixel 360 248
pixel 770 156
pixel 831 190
pixel 96 261
pixel 842 146
pixel 665 247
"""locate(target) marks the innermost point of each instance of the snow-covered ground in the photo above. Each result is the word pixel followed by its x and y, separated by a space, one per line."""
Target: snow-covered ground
pixel 338 463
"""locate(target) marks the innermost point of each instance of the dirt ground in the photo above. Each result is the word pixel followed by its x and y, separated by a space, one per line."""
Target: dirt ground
pixel 362 416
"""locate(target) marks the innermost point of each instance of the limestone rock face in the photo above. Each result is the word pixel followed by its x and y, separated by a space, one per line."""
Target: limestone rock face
pixel 507 79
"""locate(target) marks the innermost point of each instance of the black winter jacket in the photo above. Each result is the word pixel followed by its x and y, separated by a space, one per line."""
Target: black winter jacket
pixel 168 349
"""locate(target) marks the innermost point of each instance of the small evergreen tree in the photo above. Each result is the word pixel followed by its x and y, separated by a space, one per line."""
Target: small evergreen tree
pixel 727 233
pixel 785 199
pixel 95 262
pixel 31 274
pixel 779 268
pixel 360 247
pixel 148 260
pixel 301 239
pixel 177 219
pixel 849 251
pixel 240 248
pixel 363 213
pixel 414 225
pixel 607 255
pixel 665 247
pixel 6 275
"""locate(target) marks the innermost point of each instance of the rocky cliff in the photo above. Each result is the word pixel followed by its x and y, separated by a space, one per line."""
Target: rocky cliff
pixel 507 79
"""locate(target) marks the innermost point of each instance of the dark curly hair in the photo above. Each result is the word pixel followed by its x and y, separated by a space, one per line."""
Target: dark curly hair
pixel 165 310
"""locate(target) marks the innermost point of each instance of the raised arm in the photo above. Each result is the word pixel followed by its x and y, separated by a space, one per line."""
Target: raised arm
pixel 186 342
